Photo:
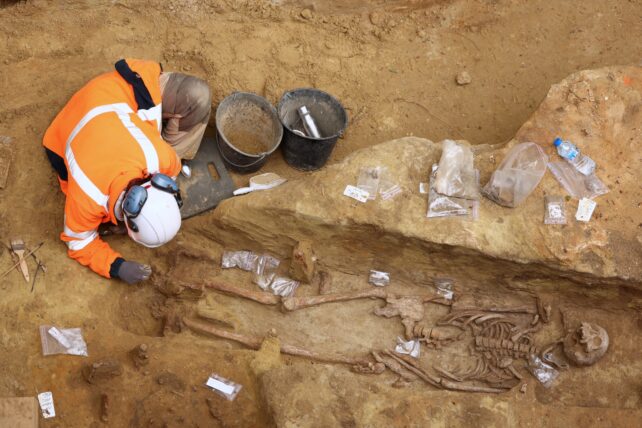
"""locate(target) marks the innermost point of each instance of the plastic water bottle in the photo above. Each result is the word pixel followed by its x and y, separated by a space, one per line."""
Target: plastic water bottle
pixel 568 151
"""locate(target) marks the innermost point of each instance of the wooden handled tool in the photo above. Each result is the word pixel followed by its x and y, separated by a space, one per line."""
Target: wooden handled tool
pixel 5 273
pixel 18 248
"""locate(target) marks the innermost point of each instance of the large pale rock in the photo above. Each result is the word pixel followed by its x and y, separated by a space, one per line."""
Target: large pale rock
pixel 600 110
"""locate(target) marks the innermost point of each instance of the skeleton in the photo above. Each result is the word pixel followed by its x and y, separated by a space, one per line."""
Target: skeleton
pixel 497 343
pixel 409 308
pixel 392 365
pixel 435 337
pixel 257 296
pixel 325 282
pixel 501 336
pixel 361 365
pixel 295 303
pixel 436 381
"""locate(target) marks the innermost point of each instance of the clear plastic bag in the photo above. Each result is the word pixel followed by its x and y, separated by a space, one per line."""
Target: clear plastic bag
pixel 284 287
pixel 517 176
pixel 575 183
pixel 369 178
pixel 555 213
pixel 448 206
pixel 544 373
pixel 388 188
pixel 410 347
pixel 245 260
pixel 62 341
pixel 265 270
pixel 223 387
pixel 379 278
pixel 456 175
pixel 444 287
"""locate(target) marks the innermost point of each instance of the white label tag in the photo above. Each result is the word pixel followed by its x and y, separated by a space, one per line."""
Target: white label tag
pixel 356 193
pixel 585 209
pixel 424 188
pixel 57 334
pixel 555 211
pixel 45 399
pixel 220 386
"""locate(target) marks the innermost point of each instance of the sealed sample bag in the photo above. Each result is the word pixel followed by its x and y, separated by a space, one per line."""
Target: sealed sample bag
pixel 456 176
pixel 517 176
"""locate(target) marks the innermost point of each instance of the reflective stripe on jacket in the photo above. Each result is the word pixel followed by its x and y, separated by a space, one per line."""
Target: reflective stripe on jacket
pixel 106 142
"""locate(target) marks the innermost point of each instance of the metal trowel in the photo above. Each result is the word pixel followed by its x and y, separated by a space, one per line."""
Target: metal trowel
pixel 208 183
pixel 265 181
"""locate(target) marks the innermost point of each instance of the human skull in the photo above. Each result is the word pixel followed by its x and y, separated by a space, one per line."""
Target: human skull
pixel 586 345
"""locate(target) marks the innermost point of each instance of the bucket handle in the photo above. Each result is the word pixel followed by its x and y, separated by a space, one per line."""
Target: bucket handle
pixel 218 143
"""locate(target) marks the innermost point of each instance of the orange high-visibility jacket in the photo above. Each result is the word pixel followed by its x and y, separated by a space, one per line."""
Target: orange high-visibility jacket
pixel 106 142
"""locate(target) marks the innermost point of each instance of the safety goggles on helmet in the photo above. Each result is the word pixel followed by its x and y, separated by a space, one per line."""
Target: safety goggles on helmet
pixel 136 196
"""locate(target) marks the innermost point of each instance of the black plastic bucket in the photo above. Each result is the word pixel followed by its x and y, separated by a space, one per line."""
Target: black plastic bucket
pixel 247 121
pixel 303 152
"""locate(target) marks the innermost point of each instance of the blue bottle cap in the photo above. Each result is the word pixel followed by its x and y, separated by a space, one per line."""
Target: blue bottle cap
pixel 557 141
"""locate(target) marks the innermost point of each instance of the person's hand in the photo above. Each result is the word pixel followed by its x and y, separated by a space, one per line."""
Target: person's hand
pixel 132 272
pixel 112 229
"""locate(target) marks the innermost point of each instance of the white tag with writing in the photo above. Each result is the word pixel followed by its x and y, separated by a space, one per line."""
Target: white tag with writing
pixel 223 387
pixel 356 193
pixel 220 386
pixel 45 399
pixel 585 209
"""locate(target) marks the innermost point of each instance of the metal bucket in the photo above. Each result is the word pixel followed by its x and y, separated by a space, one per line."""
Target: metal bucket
pixel 301 151
pixel 248 130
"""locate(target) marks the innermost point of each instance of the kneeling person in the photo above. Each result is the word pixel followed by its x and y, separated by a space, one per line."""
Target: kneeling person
pixel 114 165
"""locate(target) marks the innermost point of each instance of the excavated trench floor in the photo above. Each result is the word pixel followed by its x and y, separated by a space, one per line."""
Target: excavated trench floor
pixel 393 66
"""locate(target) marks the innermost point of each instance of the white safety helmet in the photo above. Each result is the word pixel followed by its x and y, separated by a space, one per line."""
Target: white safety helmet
pixel 152 211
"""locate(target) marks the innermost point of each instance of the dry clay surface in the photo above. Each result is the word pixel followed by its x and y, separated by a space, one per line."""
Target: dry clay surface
pixel 394 69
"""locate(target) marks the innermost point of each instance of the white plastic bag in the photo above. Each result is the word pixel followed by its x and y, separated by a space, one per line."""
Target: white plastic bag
pixel 410 347
pixel 456 175
pixel 265 270
pixel 62 341
pixel 543 372
pixel 444 287
pixel 368 181
pixel 379 278
pixel 245 260
pixel 555 213
pixel 283 286
pixel 388 187
pixel 517 176
pixel 449 206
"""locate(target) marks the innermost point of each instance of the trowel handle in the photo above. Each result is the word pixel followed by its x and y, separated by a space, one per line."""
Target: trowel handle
pixel 242 191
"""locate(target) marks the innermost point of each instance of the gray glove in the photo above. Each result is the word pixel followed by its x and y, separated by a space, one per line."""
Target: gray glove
pixel 132 272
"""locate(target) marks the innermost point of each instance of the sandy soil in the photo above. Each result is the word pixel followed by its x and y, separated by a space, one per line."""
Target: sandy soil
pixel 392 65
